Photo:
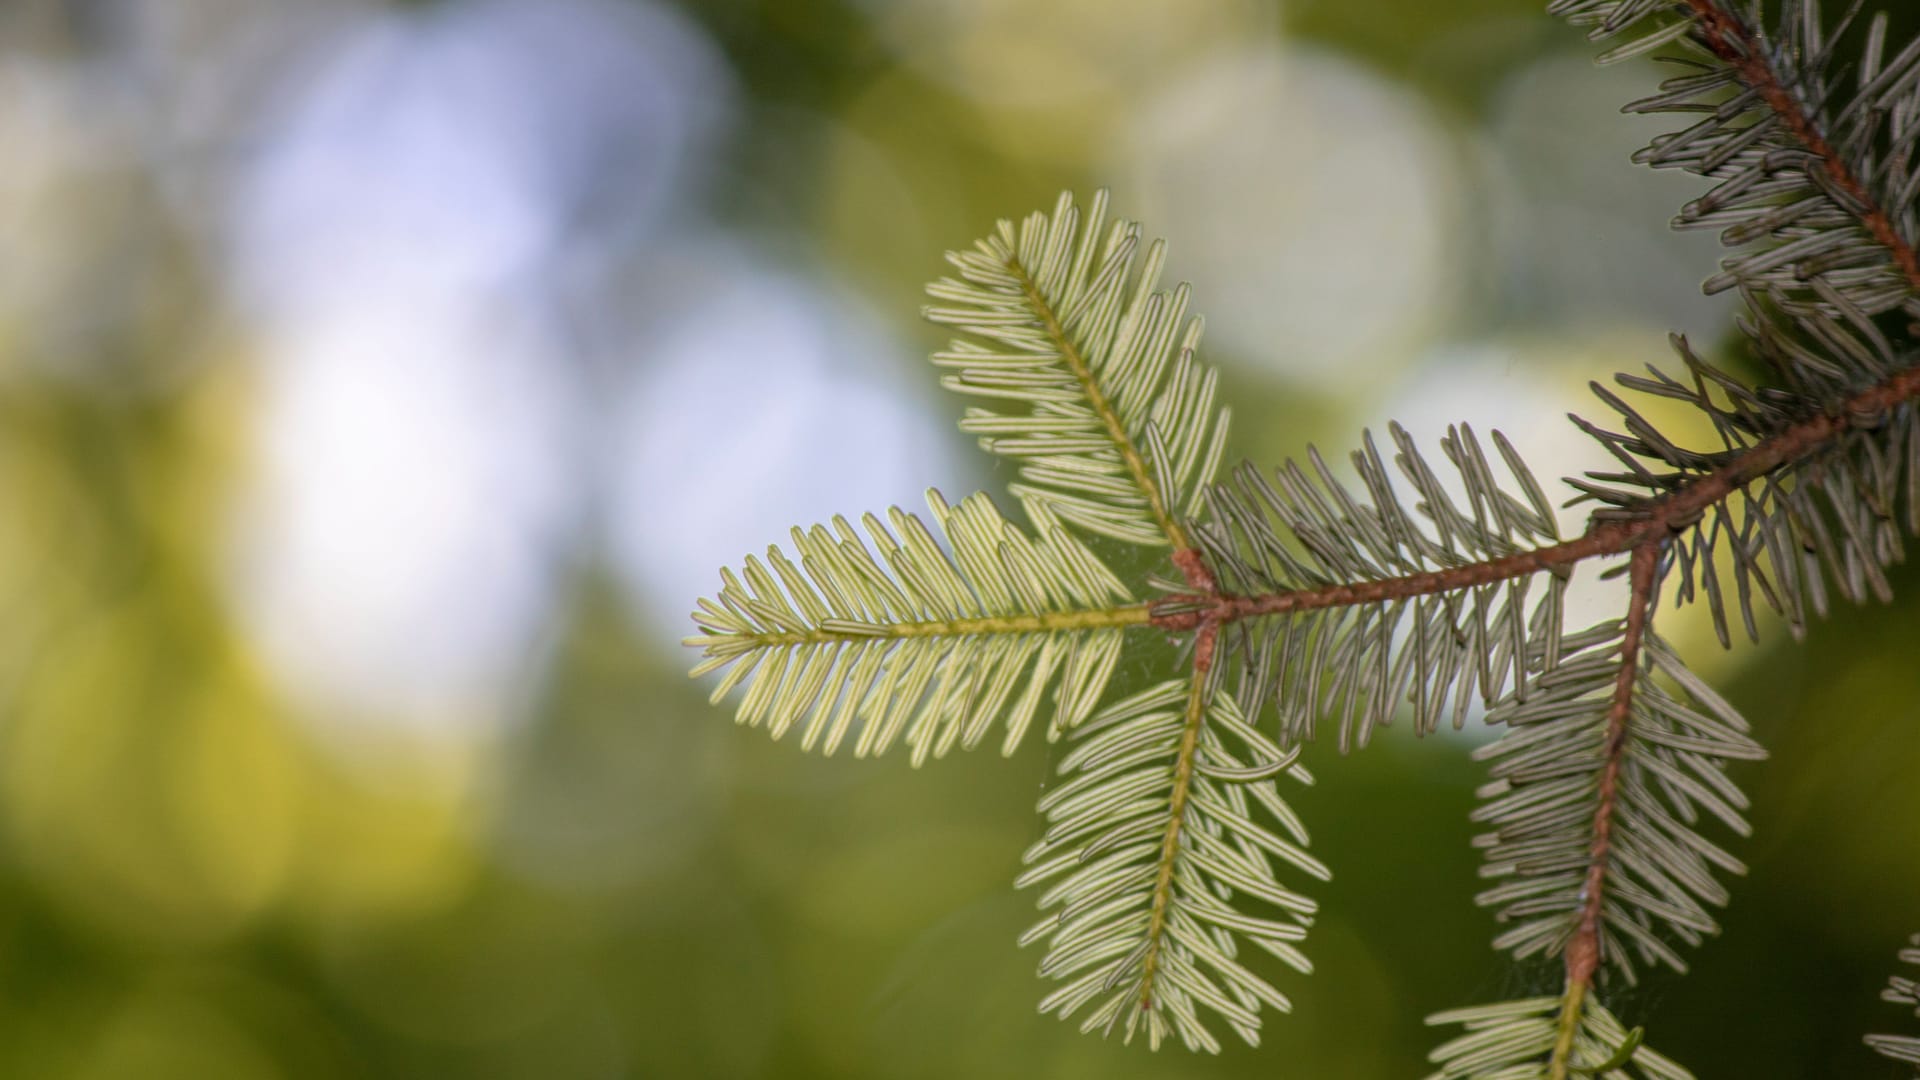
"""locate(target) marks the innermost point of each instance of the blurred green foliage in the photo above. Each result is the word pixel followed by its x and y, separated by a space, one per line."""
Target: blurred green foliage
pixel 623 885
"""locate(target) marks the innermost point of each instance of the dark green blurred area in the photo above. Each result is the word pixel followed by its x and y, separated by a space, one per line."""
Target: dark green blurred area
pixel 620 883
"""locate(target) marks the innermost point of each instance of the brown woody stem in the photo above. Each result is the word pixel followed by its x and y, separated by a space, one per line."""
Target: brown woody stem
pixel 1583 949
pixel 1662 518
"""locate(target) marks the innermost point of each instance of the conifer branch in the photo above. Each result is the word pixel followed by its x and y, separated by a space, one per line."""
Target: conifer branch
pixel 1583 952
pixel 1561 775
pixel 1817 187
pixel 1103 409
pixel 1510 1041
pixel 1344 604
pixel 832 631
pixel 1191 726
pixel 1598 787
pixel 1306 533
pixel 1728 37
pixel 1653 520
pixel 1090 376
pixel 921 644
pixel 1159 861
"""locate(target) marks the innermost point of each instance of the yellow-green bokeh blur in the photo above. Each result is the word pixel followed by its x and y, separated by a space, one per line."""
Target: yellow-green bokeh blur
pixel 380 384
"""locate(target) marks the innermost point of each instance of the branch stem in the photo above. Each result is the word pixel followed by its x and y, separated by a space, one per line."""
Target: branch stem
pixel 1183 771
pixel 1043 623
pixel 1566 1029
pixel 1661 518
pixel 1583 949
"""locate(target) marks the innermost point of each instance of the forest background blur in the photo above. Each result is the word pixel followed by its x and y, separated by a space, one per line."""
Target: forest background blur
pixel 381 383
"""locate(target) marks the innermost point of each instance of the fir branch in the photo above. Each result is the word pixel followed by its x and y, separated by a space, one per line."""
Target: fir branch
pixel 1594 824
pixel 1740 46
pixel 1167 826
pixel 1335 603
pixel 1301 530
pixel 1512 1040
pixel 937 650
pixel 1597 786
pixel 1902 990
pixel 1631 520
pixel 1171 841
pixel 1583 951
pixel 1818 192
pixel 1096 388
pixel 1831 515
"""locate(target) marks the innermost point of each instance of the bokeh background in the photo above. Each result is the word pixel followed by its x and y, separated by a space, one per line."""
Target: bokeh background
pixel 380 384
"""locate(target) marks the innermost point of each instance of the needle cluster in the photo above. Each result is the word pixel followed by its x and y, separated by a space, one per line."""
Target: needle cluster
pixel 1293 601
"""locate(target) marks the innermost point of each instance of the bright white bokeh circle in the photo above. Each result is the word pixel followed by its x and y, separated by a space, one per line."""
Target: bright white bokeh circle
pixel 1307 199
pixel 401 244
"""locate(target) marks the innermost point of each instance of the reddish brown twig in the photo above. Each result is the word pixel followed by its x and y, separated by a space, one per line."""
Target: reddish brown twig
pixel 1663 518
pixel 1583 949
